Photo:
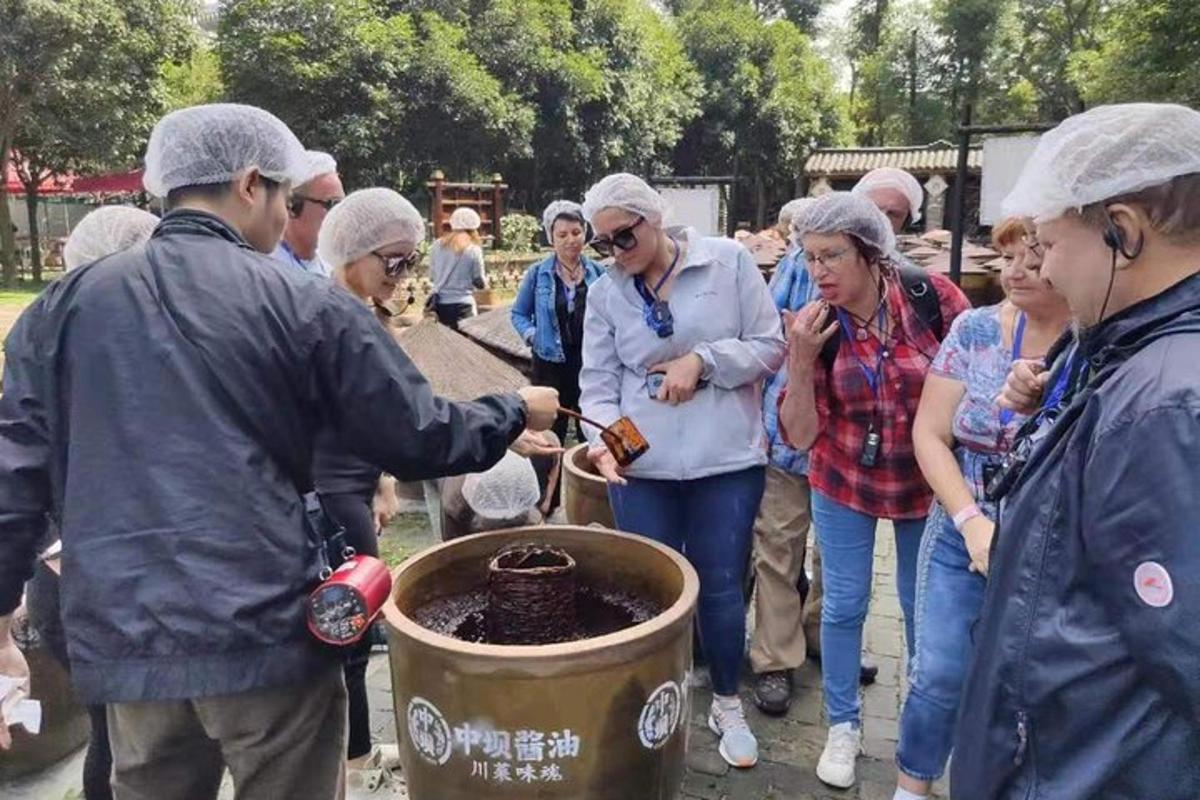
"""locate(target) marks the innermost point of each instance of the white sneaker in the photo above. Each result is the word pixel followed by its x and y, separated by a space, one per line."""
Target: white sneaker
pixel 738 746
pixel 836 766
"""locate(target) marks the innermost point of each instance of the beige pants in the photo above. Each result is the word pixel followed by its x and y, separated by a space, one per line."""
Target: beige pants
pixel 277 743
pixel 780 539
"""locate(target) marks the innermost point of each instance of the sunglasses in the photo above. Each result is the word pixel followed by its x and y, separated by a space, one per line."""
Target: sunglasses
pixel 394 266
pixel 623 240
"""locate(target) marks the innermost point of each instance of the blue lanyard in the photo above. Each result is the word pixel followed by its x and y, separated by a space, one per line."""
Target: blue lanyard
pixel 1062 382
pixel 1006 414
pixel 651 296
pixel 872 376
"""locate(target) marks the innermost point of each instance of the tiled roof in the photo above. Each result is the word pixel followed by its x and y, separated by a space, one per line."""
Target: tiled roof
pixel 855 161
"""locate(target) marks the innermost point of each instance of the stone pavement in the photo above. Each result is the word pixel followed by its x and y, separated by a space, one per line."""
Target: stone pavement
pixel 789 746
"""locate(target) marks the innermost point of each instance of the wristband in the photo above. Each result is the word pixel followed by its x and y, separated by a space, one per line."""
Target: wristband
pixel 966 515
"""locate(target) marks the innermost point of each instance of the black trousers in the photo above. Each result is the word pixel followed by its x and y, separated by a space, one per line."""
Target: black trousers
pixel 449 314
pixel 353 512
pixel 565 378
pixel 42 599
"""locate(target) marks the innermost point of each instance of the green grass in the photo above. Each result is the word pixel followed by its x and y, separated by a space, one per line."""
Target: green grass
pixel 407 535
pixel 21 296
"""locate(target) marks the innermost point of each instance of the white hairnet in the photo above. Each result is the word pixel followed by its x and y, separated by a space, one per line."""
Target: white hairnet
pixel 893 178
pixel 465 219
pixel 846 212
pixel 365 221
pixel 792 208
pixel 507 490
pixel 557 209
pixel 317 164
pixel 1105 152
pixel 107 230
pixel 627 192
pixel 210 144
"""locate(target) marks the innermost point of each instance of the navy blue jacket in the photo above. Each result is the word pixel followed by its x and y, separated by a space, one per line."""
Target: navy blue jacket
pixel 161 404
pixel 1085 681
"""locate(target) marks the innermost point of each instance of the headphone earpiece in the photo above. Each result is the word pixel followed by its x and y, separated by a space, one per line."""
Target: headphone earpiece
pixel 1114 237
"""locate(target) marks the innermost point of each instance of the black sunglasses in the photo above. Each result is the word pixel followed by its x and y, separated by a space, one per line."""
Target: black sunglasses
pixel 328 205
pixel 624 240
pixel 394 266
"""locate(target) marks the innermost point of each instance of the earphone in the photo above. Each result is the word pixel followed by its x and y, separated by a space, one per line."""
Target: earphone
pixel 1114 237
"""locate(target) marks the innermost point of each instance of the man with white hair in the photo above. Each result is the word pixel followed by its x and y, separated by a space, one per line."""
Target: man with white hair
pixel 1085 681
pixel 895 192
pixel 320 190
pixel 161 404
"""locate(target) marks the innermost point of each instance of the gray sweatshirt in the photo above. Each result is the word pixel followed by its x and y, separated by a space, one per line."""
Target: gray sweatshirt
pixel 454 275
pixel 723 313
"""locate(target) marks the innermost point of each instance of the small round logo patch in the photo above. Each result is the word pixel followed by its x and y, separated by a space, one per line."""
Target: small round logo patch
pixel 428 732
pixel 661 715
pixel 1153 584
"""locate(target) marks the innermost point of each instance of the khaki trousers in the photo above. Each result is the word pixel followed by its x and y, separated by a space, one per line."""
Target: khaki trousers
pixel 277 743
pixel 780 539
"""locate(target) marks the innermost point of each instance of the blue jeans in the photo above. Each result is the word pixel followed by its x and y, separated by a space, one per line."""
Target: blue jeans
pixel 711 521
pixel 949 599
pixel 847 540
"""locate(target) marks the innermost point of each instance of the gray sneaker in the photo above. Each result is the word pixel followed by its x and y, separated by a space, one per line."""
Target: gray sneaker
pixel 738 746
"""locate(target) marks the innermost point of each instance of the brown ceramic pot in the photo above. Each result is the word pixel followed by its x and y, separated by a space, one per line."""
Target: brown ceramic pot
pixel 585 493
pixel 598 719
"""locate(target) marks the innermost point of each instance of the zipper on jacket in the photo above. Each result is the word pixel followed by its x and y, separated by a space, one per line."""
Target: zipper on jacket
pixel 1022 738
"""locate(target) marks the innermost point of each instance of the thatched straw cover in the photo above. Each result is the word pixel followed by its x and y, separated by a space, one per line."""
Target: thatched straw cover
pixel 493 329
pixel 456 367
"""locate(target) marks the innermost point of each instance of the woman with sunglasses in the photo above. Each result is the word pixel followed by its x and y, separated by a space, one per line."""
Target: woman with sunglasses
pixel 370 240
pixel 456 268
pixel 550 306
pixel 960 435
pixel 677 336
pixel 851 405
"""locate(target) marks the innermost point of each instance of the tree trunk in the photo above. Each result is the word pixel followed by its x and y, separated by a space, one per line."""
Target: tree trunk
pixel 35 245
pixel 8 250
pixel 760 200
pixel 912 88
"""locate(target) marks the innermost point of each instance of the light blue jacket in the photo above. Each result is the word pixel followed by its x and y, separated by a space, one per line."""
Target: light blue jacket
pixel 791 289
pixel 723 313
pixel 534 314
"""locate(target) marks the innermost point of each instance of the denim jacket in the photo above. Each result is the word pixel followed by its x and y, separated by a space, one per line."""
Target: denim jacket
pixel 791 288
pixel 533 312
pixel 723 313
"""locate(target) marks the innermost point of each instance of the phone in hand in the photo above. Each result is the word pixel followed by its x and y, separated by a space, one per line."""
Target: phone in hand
pixel 654 382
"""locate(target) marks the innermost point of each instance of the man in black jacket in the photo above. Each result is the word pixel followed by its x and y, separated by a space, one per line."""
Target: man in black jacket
pixel 1086 675
pixel 160 405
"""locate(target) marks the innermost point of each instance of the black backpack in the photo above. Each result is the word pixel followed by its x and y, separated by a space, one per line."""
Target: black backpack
pixel 921 295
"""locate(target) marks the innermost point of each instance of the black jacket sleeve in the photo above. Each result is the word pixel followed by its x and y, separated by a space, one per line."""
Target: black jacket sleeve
pixel 24 459
pixel 1140 513
pixel 385 410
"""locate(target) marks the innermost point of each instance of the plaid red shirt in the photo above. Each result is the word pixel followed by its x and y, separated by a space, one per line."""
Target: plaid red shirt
pixel 893 488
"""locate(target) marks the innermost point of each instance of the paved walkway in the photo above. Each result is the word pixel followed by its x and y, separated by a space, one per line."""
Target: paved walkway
pixel 789 746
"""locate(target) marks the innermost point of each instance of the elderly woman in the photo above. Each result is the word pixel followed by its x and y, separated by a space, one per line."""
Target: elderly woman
pixel 107 230
pixel 895 192
pixel 850 401
pixel 456 268
pixel 678 336
pixel 370 241
pixel 960 435
pixel 549 310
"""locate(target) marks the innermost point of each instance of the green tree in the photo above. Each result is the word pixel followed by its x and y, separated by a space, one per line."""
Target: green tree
pixel 768 100
pixel 193 81
pixel 1147 50
pixel 1053 33
pixel 97 91
pixel 389 94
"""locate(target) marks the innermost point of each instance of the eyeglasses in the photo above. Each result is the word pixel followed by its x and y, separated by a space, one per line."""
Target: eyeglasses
pixel 394 266
pixel 826 259
pixel 328 205
pixel 1031 242
pixel 624 240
